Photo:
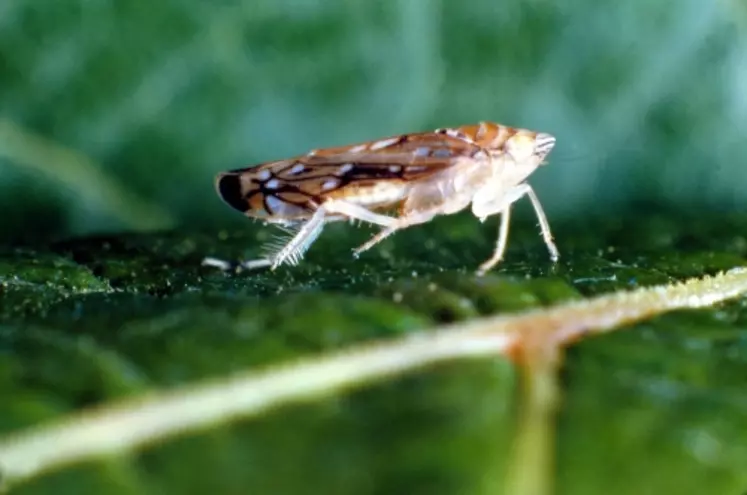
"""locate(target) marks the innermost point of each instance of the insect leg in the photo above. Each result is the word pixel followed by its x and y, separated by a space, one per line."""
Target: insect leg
pixel 544 224
pixel 293 250
pixel 279 252
pixel 399 224
pixel 503 208
pixel 500 246
pixel 357 212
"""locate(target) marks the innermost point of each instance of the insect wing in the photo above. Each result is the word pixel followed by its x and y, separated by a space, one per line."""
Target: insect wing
pixel 293 187
pixel 405 157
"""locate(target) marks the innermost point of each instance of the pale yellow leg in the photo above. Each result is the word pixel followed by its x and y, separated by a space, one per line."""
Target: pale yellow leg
pixel 500 247
pixel 505 213
pixel 544 225
pixel 399 224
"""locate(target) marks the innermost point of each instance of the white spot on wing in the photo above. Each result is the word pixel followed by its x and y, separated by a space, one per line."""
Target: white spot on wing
pixel 358 148
pixel 422 151
pixel 297 169
pixel 384 143
pixel 329 184
pixel 272 184
pixel 344 169
pixel 442 153
pixel 264 174
pixel 395 168
pixel 275 205
pixel 280 208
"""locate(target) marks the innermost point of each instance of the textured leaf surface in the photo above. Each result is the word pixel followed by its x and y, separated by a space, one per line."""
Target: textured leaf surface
pixel 659 407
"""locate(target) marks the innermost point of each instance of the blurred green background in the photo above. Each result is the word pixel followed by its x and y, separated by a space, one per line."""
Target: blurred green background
pixel 116 115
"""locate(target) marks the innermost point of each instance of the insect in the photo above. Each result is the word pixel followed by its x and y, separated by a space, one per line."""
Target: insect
pixel 424 174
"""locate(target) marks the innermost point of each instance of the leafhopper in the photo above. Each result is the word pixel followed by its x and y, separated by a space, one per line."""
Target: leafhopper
pixel 422 175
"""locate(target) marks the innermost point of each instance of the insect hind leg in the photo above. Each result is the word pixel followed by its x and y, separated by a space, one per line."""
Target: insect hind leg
pixel 290 252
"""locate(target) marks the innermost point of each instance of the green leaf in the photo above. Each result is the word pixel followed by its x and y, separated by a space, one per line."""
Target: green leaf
pixel 659 407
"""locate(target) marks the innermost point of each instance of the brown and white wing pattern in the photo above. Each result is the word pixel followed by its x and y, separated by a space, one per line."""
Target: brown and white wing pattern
pixel 292 189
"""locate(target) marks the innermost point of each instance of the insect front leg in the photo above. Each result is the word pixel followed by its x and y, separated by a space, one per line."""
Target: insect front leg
pixel 544 224
pixel 500 246
pixel 503 206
